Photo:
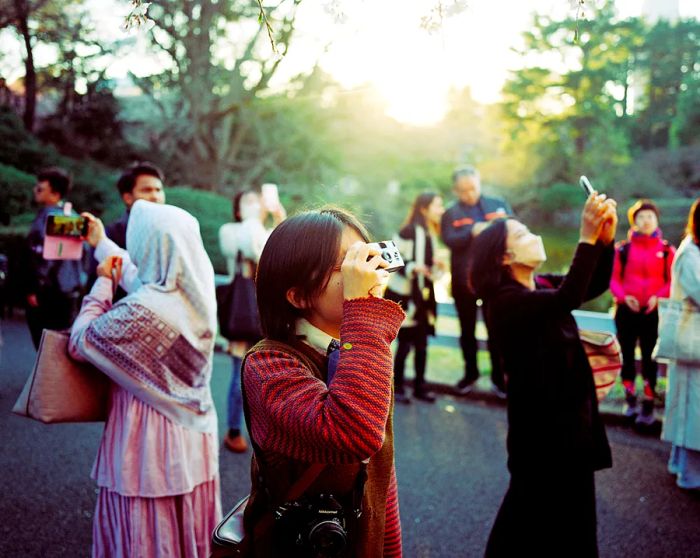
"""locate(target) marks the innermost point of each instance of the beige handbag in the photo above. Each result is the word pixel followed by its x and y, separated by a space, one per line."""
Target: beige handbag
pixel 60 389
pixel 679 331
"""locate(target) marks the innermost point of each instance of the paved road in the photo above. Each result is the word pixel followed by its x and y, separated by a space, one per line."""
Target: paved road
pixel 451 469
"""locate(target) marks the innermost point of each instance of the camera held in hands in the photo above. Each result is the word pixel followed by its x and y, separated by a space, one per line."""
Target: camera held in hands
pixel 390 253
pixel 313 526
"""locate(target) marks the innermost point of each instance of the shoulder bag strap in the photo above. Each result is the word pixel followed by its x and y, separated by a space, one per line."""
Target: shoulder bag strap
pixel 310 475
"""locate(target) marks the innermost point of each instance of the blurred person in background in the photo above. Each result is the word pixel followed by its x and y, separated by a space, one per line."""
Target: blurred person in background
pixel 243 238
pixel 461 222
pixel 157 467
pixel 641 275
pixel 412 287
pixel 556 438
pixel 682 407
pixel 52 287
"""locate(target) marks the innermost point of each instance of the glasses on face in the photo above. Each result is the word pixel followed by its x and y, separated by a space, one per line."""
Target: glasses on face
pixel 39 188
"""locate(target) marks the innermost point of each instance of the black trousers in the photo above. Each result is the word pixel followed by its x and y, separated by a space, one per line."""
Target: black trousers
pixel 416 338
pixel 465 303
pixel 546 516
pixel 633 327
pixel 56 310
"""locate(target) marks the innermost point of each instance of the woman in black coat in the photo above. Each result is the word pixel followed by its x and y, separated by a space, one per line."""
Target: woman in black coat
pixel 556 439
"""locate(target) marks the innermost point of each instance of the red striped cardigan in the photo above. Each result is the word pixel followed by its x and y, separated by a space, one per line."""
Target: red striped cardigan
pixel 299 416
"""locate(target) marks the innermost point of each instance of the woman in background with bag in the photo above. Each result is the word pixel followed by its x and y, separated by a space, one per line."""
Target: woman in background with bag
pixel 241 243
pixel 412 287
pixel 682 410
pixel 157 467
pixel 556 438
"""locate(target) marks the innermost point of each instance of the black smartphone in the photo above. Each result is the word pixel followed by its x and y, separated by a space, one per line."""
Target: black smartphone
pixel 72 226
pixel 586 185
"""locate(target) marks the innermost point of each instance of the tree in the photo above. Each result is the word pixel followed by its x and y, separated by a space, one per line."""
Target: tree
pixel 20 15
pixel 218 63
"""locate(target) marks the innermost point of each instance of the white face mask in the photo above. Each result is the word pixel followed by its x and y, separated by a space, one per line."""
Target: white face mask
pixel 529 251
pixel 250 210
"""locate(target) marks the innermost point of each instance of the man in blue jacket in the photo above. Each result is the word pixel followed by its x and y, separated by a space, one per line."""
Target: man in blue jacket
pixel 52 288
pixel 466 218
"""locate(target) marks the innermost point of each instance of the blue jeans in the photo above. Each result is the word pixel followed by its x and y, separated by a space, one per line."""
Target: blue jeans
pixel 235 398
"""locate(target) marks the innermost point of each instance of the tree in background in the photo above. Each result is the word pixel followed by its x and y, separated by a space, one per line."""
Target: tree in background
pixel 218 60
pixel 623 96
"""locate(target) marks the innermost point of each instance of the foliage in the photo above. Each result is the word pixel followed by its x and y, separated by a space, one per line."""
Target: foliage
pixel 15 192
pixel 629 83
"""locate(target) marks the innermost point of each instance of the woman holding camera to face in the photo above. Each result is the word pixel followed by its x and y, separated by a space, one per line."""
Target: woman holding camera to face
pixel 310 403
pixel 556 439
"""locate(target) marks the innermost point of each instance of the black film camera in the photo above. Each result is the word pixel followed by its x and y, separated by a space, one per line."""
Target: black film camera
pixel 313 527
pixel 390 253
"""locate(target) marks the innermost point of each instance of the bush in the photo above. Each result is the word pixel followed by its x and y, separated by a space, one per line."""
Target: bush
pixel 15 193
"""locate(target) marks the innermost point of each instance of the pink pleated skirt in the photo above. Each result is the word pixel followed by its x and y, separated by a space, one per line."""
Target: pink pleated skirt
pixel 172 526
pixel 158 485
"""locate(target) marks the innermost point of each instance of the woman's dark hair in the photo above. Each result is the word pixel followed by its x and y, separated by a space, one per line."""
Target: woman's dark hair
pixel 423 201
pixel 300 254
pixel 692 229
pixel 486 267
pixel 59 180
pixel 236 206
pixel 127 181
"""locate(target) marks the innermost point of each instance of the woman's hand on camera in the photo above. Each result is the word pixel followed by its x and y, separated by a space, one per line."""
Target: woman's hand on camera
pixel 96 229
pixel 592 218
pixel 363 272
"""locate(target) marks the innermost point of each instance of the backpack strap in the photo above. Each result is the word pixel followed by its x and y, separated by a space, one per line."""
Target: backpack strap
pixel 623 249
pixel 667 251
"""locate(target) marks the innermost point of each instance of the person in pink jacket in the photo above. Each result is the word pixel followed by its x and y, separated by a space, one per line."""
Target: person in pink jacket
pixel 641 275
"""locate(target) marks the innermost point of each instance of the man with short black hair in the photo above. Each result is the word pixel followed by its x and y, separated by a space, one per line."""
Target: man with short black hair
pixel 52 287
pixel 466 218
pixel 141 181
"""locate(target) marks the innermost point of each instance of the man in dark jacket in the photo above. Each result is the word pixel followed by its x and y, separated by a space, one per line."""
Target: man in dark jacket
pixel 140 181
pixel 52 287
pixel 460 223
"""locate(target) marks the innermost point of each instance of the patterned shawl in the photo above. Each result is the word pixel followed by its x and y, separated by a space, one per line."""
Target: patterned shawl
pixel 158 342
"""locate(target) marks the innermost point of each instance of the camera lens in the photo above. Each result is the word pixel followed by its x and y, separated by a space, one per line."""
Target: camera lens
pixel 386 255
pixel 328 538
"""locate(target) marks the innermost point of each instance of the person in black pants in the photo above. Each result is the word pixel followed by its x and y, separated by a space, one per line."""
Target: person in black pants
pixel 641 276
pixel 556 438
pixel 52 288
pixel 466 218
pixel 412 287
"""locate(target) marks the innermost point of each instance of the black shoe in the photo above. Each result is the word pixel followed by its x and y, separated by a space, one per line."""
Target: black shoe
pixel 401 397
pixel 423 395
pixel 465 385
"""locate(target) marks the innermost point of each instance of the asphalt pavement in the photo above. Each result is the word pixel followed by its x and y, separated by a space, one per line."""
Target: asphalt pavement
pixel 450 459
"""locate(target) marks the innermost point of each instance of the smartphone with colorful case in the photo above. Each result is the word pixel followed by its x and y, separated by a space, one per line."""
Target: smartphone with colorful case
pixel 63 238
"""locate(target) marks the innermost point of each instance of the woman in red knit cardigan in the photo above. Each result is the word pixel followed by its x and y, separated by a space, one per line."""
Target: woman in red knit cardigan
pixel 319 287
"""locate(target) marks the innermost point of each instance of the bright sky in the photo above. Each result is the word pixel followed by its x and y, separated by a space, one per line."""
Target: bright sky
pixel 381 43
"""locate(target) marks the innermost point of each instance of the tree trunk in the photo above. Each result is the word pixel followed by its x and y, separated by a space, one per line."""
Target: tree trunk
pixel 30 71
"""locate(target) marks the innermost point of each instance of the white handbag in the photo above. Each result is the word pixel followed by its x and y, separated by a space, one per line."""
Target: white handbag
pixel 679 331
